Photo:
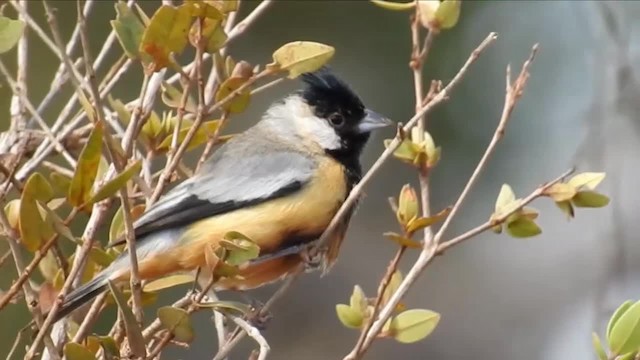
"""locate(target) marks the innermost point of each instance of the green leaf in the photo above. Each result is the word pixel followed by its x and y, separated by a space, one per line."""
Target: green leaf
pixel 227 306
pixel 625 334
pixel 616 315
pixel 168 282
pixel 118 106
pixel 394 5
pixel 394 284
pixel 406 151
pixel 358 300
pixel 588 180
pixel 408 206
pixel 590 199
pixel 414 325
pixel 116 183
pixel 597 346
pixel 33 229
pixel 300 57
pixel 206 130
pixel 110 348
pixel 239 250
pixel 448 14
pixel 131 327
pixel 172 97
pixel 567 208
pixel 403 241
pixel 117 226
pixel 60 184
pixel 561 192
pixel 522 227
pixel 421 222
pixel 349 317
pixel 58 224
pixel 241 99
pixel 75 351
pixel 167 33
pixel 128 29
pixel 12 210
pixel 505 198
pixel 177 322
pixel 86 169
pixel 212 32
pixel 101 257
pixel 10 33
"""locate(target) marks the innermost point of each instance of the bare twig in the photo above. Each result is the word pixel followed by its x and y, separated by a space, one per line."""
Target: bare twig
pixel 17 109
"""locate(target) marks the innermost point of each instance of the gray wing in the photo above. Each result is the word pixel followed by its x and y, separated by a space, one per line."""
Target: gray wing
pixel 234 177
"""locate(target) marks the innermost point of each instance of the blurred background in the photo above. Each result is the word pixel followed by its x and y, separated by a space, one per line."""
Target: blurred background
pixel 500 297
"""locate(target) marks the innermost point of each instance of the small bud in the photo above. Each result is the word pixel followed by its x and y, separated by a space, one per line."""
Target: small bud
pixel 407 205
pixel 437 15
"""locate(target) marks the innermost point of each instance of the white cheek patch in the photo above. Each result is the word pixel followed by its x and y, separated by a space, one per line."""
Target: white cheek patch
pixel 321 132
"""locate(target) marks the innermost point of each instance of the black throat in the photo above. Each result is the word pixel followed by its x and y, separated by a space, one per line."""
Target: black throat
pixel 349 156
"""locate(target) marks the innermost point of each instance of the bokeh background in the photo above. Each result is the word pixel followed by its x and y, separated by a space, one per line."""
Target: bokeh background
pixel 501 298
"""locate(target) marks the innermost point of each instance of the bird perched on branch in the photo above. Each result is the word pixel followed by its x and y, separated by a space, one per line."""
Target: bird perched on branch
pixel 279 183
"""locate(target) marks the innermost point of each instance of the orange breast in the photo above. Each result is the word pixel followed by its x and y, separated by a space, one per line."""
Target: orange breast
pixel 304 213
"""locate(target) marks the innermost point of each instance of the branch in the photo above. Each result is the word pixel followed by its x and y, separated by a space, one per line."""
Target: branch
pixel 514 92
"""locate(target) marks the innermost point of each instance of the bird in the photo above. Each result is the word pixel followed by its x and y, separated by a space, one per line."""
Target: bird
pixel 280 183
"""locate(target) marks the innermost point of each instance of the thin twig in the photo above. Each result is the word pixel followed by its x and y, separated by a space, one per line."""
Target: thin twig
pixel 428 252
pixel 17 109
pixel 437 99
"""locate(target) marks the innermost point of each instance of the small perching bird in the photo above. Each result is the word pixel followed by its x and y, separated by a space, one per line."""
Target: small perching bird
pixel 279 183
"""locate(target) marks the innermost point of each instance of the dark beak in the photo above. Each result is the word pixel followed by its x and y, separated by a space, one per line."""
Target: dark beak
pixel 372 121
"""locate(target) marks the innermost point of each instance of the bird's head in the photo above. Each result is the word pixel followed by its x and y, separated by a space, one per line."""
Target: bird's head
pixel 329 113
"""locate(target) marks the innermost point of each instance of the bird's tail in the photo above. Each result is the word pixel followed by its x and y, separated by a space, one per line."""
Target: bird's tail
pixel 82 295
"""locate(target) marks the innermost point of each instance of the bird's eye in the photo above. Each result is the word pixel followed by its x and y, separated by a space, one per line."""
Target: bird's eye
pixel 336 119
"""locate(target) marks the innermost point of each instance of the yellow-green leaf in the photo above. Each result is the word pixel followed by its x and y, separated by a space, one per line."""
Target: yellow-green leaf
pixel 505 197
pixel 408 206
pixel 131 327
pixel 58 224
pixel 590 199
pixel 403 241
pixel 202 135
pixel 101 257
pixel 406 152
pixel 167 33
pixel 227 306
pixel 448 13
pixel 394 284
pixel 204 10
pixel 241 99
pixel 116 183
pixel 177 322
pixel 118 106
pixel 349 317
pixel 10 32
pixel 117 226
pixel 616 315
pixel 168 282
pixel 12 210
pixel 523 227
pixel 625 334
pixel 33 229
pixel 110 348
pixel 48 266
pixel 358 300
pixel 561 192
pixel 301 57
pixel 588 180
pixel 597 346
pixel 153 127
pixel 75 351
pixel 128 29
pixel 421 222
pixel 172 97
pixel 395 6
pixel 86 169
pixel 414 325
pixel 212 32
pixel 245 250
pixel 60 184
pixel 567 208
